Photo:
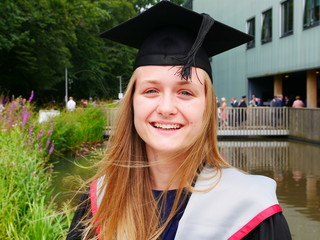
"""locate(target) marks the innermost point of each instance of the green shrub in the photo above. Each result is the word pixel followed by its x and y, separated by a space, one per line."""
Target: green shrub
pixel 71 129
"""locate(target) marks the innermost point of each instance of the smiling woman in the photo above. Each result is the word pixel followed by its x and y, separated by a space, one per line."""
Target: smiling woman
pixel 162 176
pixel 172 112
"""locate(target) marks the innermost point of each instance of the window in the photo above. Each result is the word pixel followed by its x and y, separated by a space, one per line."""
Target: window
pixel 251 31
pixel 287 18
pixel 266 32
pixel 311 14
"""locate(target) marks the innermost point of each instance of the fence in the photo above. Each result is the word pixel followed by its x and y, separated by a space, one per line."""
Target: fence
pixel 242 121
pixel 260 121
pixel 253 121
pixel 111 119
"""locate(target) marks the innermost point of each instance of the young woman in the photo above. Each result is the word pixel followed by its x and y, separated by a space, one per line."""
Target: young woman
pixel 162 176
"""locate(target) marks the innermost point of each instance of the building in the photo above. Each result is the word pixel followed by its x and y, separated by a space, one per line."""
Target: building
pixel 283 58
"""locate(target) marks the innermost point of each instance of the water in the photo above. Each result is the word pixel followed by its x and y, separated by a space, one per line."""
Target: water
pixel 296 169
pixel 294 165
pixel 71 173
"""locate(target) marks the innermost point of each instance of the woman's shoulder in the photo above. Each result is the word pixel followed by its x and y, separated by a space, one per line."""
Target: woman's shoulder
pixel 229 198
pixel 235 178
pixel 238 177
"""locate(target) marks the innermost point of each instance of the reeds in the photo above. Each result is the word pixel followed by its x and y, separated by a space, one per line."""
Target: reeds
pixel 27 207
pixel 27 210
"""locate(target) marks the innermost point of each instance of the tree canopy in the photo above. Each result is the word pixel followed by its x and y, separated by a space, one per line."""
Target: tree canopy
pixel 40 38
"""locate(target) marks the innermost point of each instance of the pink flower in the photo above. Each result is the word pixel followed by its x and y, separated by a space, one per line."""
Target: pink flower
pixel 30 130
pixel 51 148
pixel 40 133
pixel 50 131
pixel 48 142
pixel 25 116
pixel 31 96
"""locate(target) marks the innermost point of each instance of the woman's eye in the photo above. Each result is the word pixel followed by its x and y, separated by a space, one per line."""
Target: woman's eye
pixel 150 91
pixel 186 93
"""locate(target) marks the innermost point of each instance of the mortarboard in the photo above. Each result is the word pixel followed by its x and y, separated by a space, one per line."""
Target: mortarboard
pixel 168 34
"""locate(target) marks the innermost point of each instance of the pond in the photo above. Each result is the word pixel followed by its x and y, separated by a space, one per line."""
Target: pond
pixel 294 165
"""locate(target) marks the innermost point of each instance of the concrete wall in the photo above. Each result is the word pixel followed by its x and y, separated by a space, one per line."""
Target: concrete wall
pixel 304 125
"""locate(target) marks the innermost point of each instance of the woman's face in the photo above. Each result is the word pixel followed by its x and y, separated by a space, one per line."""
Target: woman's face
pixel 168 111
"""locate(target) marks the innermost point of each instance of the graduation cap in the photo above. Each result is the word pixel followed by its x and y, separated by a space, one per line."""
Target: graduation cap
pixel 168 34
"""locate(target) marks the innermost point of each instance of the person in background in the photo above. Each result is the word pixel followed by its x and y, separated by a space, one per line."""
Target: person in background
pixel 253 101
pixel 243 102
pixel 298 103
pixel 287 101
pixel 92 101
pixel 233 118
pixel 218 102
pixel 224 112
pixel 274 102
pixel 280 101
pixel 162 176
pixel 243 111
pixel 71 104
pixel 234 102
pixel 259 102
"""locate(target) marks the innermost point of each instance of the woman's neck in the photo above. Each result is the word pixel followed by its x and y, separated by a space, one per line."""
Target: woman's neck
pixel 162 169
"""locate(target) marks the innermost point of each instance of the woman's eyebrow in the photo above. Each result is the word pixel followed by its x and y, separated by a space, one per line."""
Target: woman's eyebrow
pixel 150 81
pixel 158 81
pixel 184 82
pixel 154 81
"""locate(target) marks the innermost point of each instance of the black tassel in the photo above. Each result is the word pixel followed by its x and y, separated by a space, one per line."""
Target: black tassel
pixel 189 60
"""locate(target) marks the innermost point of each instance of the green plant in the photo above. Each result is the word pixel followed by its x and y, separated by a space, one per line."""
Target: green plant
pixel 27 210
pixel 71 129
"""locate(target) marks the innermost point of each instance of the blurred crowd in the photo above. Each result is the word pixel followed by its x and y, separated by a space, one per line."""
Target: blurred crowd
pixel 277 101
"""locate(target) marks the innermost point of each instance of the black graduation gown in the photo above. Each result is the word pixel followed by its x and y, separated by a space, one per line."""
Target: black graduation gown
pixel 272 228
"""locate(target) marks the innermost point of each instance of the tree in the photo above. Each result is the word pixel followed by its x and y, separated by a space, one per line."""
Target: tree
pixel 141 5
pixel 97 61
pixel 41 37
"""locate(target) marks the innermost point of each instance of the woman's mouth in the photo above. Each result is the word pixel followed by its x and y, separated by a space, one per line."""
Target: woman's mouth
pixel 166 126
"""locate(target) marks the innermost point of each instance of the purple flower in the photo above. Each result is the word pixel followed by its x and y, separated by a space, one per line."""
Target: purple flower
pixel 12 105
pixel 40 133
pixel 30 130
pixel 25 116
pixel 51 148
pixel 48 142
pixel 50 131
pixel 31 96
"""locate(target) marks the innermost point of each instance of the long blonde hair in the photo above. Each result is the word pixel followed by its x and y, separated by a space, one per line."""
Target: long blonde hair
pixel 128 209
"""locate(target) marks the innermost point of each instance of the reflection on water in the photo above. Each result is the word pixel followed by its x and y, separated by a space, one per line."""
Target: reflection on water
pixel 71 174
pixel 295 167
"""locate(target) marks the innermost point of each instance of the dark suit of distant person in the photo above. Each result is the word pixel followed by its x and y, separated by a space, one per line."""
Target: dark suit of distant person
pixel 243 111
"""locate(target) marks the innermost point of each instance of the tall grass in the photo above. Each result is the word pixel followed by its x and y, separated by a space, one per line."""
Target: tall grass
pixel 27 211
pixel 27 207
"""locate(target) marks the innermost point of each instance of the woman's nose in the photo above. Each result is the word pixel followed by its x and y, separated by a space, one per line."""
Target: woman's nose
pixel 167 105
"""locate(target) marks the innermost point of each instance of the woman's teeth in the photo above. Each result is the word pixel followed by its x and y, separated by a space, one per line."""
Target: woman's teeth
pixel 167 126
